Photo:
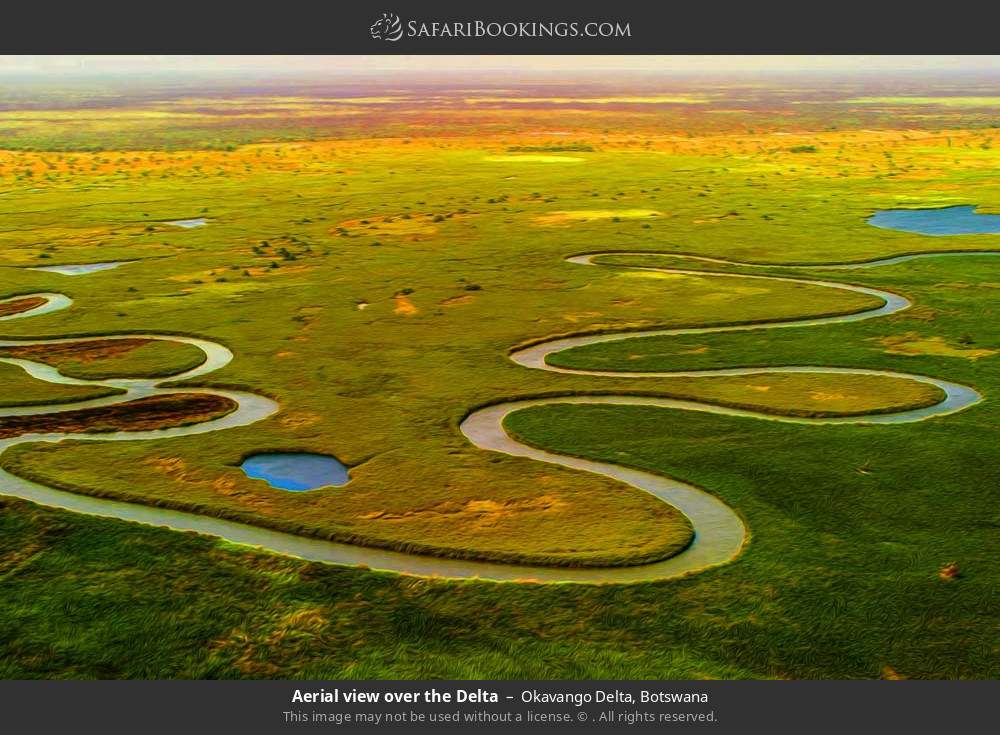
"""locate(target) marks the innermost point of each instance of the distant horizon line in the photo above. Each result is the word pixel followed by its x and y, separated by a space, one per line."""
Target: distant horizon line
pixel 465 66
pixel 488 78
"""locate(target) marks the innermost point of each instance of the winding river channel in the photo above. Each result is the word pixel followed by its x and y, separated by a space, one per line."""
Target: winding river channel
pixel 720 533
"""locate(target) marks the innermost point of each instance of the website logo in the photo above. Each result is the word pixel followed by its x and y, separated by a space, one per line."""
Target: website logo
pixel 387 28
pixel 390 28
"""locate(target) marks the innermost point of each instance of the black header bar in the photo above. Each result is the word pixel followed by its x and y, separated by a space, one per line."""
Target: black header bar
pixel 510 27
pixel 576 707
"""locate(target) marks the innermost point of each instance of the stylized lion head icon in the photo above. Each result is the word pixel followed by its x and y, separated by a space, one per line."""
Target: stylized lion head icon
pixel 387 28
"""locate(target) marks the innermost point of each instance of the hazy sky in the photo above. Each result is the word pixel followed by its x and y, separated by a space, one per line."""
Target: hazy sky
pixel 44 65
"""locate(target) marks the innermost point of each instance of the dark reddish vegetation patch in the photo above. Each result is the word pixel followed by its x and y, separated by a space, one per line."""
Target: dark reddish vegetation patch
pixel 16 307
pixel 154 412
pixel 88 351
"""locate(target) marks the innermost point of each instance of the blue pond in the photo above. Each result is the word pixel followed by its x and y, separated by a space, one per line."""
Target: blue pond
pixel 943 221
pixel 296 471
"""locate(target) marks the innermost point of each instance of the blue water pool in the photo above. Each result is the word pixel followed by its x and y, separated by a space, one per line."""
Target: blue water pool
pixel 943 221
pixel 296 471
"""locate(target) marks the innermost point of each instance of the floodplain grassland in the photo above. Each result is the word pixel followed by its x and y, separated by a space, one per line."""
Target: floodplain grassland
pixel 20 389
pixel 110 359
pixel 374 284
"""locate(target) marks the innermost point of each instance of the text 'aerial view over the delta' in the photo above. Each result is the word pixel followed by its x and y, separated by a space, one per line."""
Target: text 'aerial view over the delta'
pixel 499 367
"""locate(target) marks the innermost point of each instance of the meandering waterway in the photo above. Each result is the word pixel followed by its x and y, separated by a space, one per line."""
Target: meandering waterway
pixel 720 533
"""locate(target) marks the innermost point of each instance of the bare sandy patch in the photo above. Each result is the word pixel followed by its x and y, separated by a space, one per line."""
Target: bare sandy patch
pixel 231 486
pixel 913 344
pixel 581 315
pixel 482 512
pixel 404 307
pixel 299 419
pixel 568 217
pixel 533 158
pixel 818 395
pixel 921 313
pixel 458 300
pixel 393 226
pixel 658 275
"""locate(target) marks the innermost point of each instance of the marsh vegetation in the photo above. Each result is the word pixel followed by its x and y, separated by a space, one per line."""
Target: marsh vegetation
pixel 372 264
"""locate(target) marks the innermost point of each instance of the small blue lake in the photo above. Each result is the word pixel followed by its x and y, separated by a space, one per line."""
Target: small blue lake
pixel 296 471
pixel 943 221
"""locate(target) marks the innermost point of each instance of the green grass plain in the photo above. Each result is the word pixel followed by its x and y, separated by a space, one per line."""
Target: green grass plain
pixel 453 251
pixel 20 389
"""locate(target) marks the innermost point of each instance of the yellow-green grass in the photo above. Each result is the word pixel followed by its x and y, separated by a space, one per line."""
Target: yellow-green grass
pixel 829 563
pixel 950 101
pixel 17 388
pixel 533 158
pixel 417 484
pixel 815 395
pixel 849 525
pixel 384 388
